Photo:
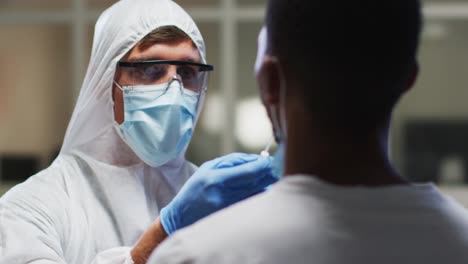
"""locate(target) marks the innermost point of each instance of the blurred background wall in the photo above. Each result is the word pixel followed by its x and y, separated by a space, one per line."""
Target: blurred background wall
pixel 45 47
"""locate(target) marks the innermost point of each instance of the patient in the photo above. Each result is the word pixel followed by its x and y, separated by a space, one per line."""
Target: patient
pixel 331 76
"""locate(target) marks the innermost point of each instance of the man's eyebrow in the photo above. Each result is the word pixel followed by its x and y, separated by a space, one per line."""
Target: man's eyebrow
pixel 147 58
pixel 190 60
pixel 143 58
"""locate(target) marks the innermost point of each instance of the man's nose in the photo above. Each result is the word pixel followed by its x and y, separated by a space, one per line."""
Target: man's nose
pixel 172 72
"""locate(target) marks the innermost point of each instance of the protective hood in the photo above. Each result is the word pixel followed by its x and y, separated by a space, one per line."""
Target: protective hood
pixel 97 198
pixel 118 30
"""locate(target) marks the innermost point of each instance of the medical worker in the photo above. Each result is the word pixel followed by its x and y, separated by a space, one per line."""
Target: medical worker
pixel 121 183
pixel 330 74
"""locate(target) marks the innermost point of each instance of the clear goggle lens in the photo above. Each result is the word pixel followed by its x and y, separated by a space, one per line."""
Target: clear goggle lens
pixel 192 75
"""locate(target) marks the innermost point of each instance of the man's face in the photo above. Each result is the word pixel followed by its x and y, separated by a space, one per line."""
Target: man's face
pixel 183 50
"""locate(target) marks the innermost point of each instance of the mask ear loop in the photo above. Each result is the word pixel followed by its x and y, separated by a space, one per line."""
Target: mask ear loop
pixel 275 121
pixel 282 103
pixel 118 86
pixel 113 99
pixel 277 130
pixel 116 125
pixel 280 132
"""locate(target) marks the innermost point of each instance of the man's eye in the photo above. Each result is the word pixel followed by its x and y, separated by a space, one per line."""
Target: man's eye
pixel 187 72
pixel 150 74
pixel 137 74
pixel 154 72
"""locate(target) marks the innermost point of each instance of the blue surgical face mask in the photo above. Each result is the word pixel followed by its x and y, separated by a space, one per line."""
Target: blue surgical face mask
pixel 277 164
pixel 280 131
pixel 158 121
pixel 280 135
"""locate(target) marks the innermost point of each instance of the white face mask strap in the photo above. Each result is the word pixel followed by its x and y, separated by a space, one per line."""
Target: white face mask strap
pixel 282 103
pixel 275 121
pixel 118 86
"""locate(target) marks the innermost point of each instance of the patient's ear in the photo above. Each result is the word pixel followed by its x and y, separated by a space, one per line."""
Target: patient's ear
pixel 269 85
pixel 269 82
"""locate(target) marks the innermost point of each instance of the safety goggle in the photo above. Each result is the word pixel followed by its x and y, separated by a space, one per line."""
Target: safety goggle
pixel 152 72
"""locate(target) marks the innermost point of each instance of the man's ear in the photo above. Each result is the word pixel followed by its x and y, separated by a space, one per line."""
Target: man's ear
pixel 117 98
pixel 414 72
pixel 269 81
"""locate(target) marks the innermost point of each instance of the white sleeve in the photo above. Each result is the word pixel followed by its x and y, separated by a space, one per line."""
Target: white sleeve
pixel 120 255
pixel 29 235
pixel 30 225
pixel 35 225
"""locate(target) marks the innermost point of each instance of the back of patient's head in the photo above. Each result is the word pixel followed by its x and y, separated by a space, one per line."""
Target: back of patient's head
pixel 345 59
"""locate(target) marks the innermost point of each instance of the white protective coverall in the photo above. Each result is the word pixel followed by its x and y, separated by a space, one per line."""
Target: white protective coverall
pixel 97 198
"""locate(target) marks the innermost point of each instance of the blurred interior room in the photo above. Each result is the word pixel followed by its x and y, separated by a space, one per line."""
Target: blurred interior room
pixel 46 46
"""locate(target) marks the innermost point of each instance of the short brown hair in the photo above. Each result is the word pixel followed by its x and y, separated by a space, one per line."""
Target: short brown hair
pixel 164 34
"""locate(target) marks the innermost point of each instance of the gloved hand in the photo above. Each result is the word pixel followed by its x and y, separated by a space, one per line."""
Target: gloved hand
pixel 217 184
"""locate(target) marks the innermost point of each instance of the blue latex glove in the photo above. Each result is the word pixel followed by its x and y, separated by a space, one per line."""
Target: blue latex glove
pixel 215 185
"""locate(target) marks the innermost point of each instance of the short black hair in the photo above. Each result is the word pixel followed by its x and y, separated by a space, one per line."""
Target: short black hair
pixel 350 57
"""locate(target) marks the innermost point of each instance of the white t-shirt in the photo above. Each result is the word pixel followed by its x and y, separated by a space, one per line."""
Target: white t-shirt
pixel 303 220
